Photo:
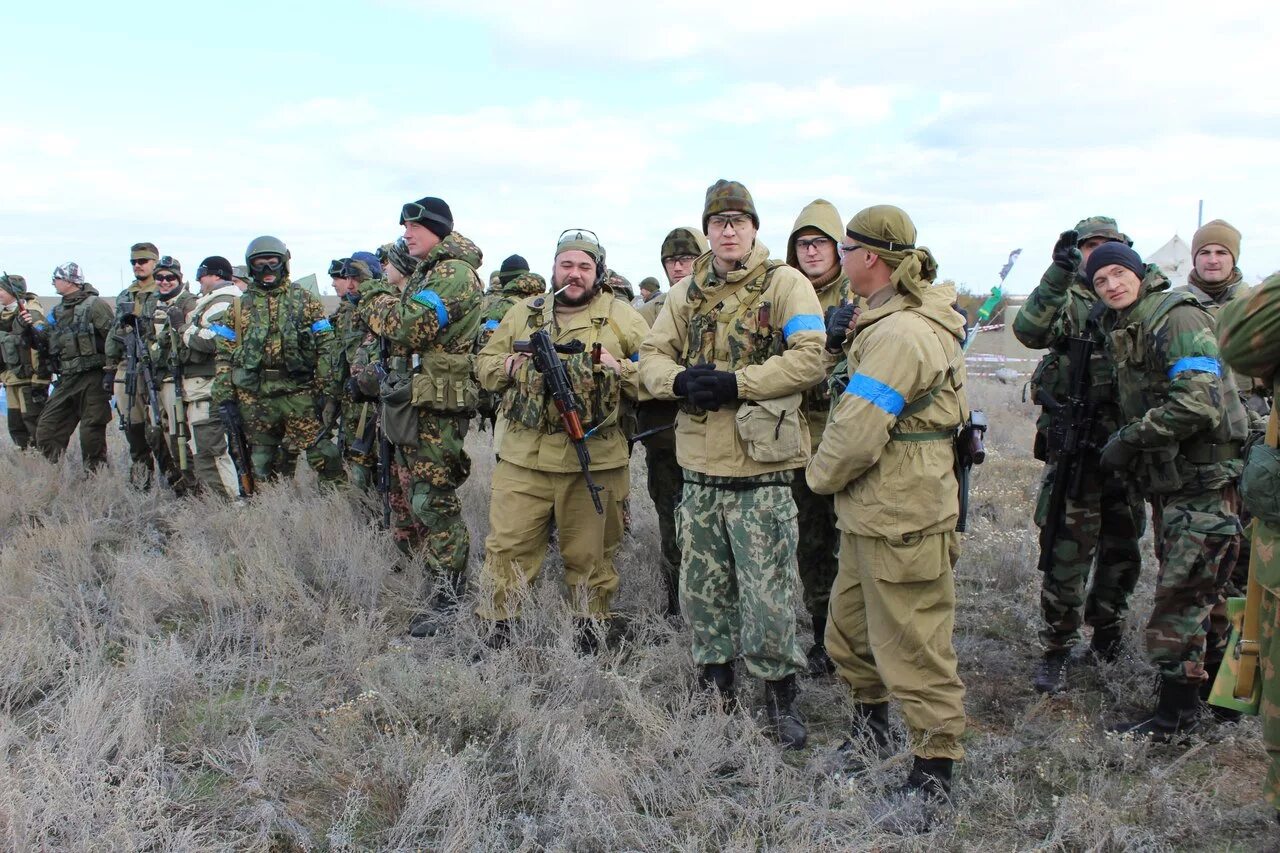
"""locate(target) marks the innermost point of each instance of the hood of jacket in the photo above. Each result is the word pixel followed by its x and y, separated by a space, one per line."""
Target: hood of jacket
pixel 820 214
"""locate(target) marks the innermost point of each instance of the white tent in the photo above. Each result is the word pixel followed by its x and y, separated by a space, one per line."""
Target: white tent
pixel 1174 260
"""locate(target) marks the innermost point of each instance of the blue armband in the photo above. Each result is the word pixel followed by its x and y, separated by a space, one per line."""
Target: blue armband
pixel 876 393
pixel 431 299
pixel 1197 364
pixel 222 331
pixel 803 323
pixel 321 325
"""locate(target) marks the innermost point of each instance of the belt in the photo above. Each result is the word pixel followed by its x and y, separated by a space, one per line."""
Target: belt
pixel 1208 454
pixel 941 435
pixel 740 484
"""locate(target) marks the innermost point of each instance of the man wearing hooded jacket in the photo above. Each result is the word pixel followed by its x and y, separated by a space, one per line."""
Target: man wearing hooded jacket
pixel 888 456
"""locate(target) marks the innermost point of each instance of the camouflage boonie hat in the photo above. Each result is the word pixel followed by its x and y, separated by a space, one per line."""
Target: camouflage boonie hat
pixel 683 241
pixel 69 272
pixel 144 252
pixel 728 195
pixel 1100 226
pixel 14 285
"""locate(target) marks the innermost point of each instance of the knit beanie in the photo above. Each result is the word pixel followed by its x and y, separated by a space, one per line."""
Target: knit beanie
pixel 1218 231
pixel 1114 253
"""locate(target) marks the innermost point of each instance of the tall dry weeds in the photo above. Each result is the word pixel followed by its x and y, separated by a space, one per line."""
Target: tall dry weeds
pixel 190 675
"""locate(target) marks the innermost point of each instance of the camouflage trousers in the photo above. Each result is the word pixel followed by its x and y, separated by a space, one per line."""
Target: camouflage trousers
pixel 360 443
pixel 1219 631
pixel 1200 538
pixel 144 435
pixel 524 503
pixel 665 481
pixel 25 403
pixel 1098 535
pixel 1269 659
pixel 738 577
pixel 435 470
pixel 80 399
pixel 893 610
pixel 816 553
pixel 277 427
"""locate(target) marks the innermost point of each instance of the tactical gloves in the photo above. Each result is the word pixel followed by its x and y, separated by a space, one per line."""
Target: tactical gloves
pixel 838 320
pixel 108 380
pixel 1117 454
pixel 685 378
pixel 706 387
pixel 1065 254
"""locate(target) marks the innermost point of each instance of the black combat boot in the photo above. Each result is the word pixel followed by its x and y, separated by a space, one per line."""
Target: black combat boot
pixel 1051 673
pixel 917 804
pixel 1105 645
pixel 779 704
pixel 1177 715
pixel 499 636
pixel 586 637
pixel 442 607
pixel 870 730
pixel 820 663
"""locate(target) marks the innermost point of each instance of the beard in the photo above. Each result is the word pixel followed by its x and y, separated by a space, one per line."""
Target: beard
pixel 573 302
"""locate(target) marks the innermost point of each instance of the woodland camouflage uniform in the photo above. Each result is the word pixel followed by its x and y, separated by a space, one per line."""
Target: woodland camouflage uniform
pixel 1103 525
pixel 138 300
pixel 429 396
pixel 24 372
pixel 816 514
pixel 357 348
pixel 171 312
pixel 1249 333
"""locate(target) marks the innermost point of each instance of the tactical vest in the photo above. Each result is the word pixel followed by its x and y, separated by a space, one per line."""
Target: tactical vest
pixel 168 342
pixel 75 344
pixel 20 361
pixel 251 318
pixel 528 402
pixel 1205 461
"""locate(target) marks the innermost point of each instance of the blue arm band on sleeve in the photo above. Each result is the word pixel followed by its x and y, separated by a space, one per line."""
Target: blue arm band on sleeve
pixel 877 393
pixel 431 299
pixel 635 356
pixel 321 325
pixel 222 331
pixel 803 323
pixel 1197 363
pixel 490 325
pixel 52 322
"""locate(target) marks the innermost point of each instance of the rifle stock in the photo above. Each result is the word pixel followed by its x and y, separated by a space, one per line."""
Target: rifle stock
pixel 548 363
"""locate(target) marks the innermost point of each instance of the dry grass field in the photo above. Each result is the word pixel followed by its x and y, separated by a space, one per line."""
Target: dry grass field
pixel 189 675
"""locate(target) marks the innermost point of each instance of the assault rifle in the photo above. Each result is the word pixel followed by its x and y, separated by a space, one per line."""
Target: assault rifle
pixel 384 448
pixel 1070 434
pixel 238 445
pixel 548 363
pixel 179 403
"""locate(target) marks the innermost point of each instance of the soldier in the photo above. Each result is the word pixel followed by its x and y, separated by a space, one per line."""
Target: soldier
pixel 1249 334
pixel 649 289
pixel 430 393
pixel 621 288
pixel 75 335
pixel 738 342
pixel 24 370
pixel 240 277
pixel 539 478
pixel 357 348
pixel 399 264
pixel 812 250
pixel 656 420
pixel 1107 518
pixel 514 283
pixel 275 364
pixel 1180 440
pixel 138 300
pixel 888 456
pixel 206 321
pixel 174 302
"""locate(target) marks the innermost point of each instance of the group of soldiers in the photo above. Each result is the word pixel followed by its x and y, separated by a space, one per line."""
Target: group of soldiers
pixel 823 393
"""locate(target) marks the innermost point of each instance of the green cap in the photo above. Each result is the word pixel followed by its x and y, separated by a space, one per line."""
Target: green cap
pixel 683 241
pixel 15 285
pixel 1100 226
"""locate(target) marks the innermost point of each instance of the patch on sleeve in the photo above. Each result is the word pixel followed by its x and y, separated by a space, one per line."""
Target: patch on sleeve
pixel 225 331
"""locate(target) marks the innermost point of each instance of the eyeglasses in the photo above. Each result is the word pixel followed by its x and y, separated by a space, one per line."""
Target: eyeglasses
pixel 140 261
pixel 846 249
pixel 804 244
pixel 166 278
pixel 737 221
pixel 680 259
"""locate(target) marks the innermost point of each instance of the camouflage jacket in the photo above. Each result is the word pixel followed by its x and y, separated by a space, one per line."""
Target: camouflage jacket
pixel 140 301
pixel 1171 390
pixel 1235 289
pixel 168 347
pixel 1057 310
pixel 20 362
pixel 438 311
pixel 279 342
pixel 1249 332
pixel 76 332
pixel 496 305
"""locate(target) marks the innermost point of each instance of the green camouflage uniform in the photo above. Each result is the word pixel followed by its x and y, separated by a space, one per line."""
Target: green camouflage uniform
pixel 495 306
pixel 431 328
pixel 1249 333
pixel 167 354
pixel 137 421
pixel 1108 518
pixel 1181 415
pixel 24 372
pixel 357 349
pixel 76 331
pixel 278 364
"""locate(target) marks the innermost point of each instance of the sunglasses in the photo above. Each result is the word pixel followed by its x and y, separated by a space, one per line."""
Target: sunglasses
pixel 578 234
pixel 138 261
pixel 166 278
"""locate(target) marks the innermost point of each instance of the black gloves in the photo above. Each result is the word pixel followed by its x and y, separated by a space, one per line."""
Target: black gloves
pixel 108 381
pixel 838 320
pixel 685 378
pixel 706 387
pixel 1117 454
pixel 1065 254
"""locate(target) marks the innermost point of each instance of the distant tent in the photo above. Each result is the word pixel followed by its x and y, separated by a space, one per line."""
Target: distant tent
pixel 1174 260
pixel 308 282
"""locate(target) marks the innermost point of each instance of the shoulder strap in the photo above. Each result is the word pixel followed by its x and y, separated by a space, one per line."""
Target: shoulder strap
pixel 1250 648
pixel 922 402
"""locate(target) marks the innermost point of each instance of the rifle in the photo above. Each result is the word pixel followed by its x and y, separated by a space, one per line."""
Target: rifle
pixel 641 436
pixel 970 451
pixel 1070 434
pixel 548 363
pixel 238 445
pixel 130 377
pixel 38 342
pixel 384 450
pixel 179 404
pixel 156 437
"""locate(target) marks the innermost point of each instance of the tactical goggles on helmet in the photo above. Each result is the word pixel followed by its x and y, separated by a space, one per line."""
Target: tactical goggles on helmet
pixel 267 264
pixel 414 212
pixel 347 268
pixel 335 267
pixel 576 235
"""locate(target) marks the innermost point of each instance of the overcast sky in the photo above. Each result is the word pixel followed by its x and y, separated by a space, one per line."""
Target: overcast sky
pixel 994 124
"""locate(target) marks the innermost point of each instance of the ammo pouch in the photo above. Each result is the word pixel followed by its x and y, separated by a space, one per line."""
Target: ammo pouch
pixel 1260 482
pixel 1159 468
pixel 771 430
pixel 399 415
pixel 445 384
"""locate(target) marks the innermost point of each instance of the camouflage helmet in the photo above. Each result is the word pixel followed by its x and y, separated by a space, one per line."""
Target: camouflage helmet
pixel 69 272
pixel 584 241
pixel 1100 226
pixel 728 195
pixel 683 241
pixel 240 272
pixel 14 285
pixel 170 263
pixel 649 284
